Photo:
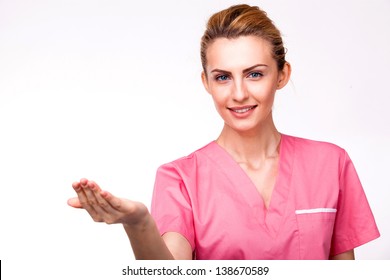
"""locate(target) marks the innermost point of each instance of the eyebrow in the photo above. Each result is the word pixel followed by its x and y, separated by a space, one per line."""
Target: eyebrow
pixel 243 71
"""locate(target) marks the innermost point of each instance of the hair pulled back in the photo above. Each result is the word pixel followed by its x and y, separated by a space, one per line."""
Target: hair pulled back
pixel 243 20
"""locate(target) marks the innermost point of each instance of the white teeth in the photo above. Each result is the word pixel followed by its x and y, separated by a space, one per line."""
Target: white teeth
pixel 240 111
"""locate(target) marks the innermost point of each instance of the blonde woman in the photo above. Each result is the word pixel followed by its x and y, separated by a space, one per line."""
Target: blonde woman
pixel 253 193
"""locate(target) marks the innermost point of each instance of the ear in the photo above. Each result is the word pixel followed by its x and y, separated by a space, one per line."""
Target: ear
pixel 205 81
pixel 284 75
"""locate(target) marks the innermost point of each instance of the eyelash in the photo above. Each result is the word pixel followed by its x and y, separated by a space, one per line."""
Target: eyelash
pixel 258 75
pixel 253 75
pixel 219 78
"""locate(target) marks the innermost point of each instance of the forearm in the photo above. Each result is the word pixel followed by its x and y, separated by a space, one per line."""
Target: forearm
pixel 146 241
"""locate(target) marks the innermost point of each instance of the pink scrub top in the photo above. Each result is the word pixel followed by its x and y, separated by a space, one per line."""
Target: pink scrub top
pixel 318 207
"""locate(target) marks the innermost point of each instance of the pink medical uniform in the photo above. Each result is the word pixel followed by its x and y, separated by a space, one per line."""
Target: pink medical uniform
pixel 318 207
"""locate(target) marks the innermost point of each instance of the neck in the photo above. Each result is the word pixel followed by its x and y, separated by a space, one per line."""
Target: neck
pixel 251 147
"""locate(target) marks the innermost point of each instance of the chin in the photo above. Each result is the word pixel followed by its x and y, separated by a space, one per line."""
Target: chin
pixel 244 129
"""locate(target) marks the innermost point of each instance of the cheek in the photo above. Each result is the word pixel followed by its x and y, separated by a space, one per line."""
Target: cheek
pixel 219 95
pixel 219 102
pixel 263 92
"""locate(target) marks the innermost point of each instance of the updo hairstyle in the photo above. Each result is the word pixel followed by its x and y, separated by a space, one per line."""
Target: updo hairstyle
pixel 243 20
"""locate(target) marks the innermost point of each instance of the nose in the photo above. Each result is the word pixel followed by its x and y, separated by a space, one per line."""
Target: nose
pixel 239 92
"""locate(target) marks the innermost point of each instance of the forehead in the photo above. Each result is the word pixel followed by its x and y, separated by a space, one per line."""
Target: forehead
pixel 240 52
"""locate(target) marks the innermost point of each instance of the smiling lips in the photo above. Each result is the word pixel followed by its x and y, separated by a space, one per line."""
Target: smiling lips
pixel 242 109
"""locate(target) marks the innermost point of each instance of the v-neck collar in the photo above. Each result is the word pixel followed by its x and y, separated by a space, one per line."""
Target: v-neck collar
pixel 271 218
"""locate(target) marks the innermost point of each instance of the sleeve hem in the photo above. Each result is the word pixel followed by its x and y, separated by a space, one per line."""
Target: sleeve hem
pixel 181 231
pixel 350 244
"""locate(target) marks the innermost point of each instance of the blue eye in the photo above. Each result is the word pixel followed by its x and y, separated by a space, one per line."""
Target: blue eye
pixel 255 75
pixel 222 78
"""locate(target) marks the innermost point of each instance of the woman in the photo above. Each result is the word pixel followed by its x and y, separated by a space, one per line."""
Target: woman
pixel 253 193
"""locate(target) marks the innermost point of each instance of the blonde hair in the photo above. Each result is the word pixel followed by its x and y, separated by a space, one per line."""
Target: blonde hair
pixel 243 20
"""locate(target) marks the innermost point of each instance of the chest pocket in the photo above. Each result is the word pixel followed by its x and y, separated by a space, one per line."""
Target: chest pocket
pixel 315 227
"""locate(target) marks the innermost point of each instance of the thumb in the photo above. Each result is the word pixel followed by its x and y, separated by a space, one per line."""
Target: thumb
pixel 74 202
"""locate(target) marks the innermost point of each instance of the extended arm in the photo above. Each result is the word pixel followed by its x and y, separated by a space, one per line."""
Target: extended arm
pixel 139 225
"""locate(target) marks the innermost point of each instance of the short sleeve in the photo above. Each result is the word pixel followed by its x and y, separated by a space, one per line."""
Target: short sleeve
pixel 171 206
pixel 355 224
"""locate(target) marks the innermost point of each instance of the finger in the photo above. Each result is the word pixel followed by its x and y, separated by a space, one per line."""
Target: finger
pixel 106 211
pixel 92 184
pixel 115 202
pixel 83 181
pixel 101 202
pixel 89 194
pixel 79 187
pixel 74 202
pixel 76 186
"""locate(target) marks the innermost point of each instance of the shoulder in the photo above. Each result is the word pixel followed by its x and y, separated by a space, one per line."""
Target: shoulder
pixel 304 145
pixel 190 162
pixel 314 152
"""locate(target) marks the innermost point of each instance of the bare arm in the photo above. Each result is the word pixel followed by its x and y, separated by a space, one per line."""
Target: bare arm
pixel 349 255
pixel 139 225
pixel 148 244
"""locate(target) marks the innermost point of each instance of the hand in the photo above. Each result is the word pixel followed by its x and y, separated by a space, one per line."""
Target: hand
pixel 102 206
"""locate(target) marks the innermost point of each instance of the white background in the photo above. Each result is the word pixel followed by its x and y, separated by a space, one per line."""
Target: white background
pixel 110 90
